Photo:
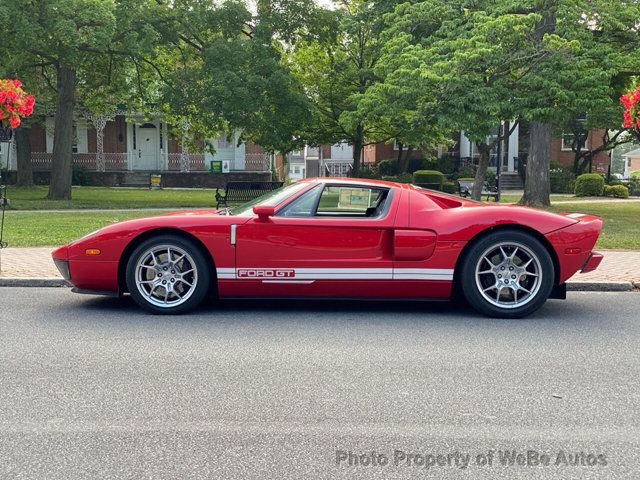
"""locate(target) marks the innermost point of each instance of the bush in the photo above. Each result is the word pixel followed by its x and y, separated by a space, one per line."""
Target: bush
pixel 418 164
pixel 450 187
pixel 634 186
pixel 447 165
pixel 589 185
pixel 428 176
pixel 388 167
pixel 562 180
pixel 79 176
pixel 490 178
pixel 368 172
pixel 401 178
pixel 618 191
pixel 468 171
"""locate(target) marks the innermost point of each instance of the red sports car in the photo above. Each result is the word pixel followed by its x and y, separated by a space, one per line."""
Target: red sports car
pixel 339 238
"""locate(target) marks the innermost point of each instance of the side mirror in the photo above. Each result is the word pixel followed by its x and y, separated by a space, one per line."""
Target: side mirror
pixel 264 211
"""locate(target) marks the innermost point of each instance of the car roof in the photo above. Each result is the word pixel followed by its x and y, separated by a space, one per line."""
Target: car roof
pixel 355 181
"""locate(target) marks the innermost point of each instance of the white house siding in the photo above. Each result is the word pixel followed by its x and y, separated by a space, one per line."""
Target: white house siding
pixel 341 152
pixel 227 150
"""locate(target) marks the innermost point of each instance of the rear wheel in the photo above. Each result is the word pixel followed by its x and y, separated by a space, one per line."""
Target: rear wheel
pixel 168 275
pixel 507 274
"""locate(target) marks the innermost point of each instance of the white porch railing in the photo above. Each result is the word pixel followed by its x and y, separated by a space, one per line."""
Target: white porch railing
pixel 337 169
pixel 196 162
pixel 113 161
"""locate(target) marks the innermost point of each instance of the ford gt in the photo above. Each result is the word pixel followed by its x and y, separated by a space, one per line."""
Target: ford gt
pixel 339 238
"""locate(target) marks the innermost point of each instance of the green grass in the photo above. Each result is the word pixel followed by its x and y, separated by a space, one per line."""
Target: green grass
pixel 110 198
pixel 39 229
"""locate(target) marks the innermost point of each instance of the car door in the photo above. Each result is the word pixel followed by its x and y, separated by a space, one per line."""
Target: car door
pixel 335 240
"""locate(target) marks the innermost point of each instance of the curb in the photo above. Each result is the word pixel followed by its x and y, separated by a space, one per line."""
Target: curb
pixel 611 286
pixel 33 282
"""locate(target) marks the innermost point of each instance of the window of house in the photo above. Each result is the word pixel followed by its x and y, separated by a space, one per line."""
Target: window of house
pixel 567 142
pixel 296 170
pixel 296 153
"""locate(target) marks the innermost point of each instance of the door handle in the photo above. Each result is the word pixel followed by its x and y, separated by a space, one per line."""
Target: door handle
pixel 139 153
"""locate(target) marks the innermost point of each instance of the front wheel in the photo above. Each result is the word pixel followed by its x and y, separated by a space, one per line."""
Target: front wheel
pixel 167 274
pixel 507 274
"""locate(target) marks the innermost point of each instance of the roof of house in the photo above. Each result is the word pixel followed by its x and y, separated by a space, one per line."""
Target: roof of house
pixel 632 153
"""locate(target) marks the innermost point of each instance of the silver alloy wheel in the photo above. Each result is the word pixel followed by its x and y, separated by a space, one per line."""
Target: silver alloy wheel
pixel 166 275
pixel 508 275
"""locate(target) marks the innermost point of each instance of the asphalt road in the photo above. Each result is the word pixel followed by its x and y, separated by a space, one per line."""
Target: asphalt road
pixel 93 388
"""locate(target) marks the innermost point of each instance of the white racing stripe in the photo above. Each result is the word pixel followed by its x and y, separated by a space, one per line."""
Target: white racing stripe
pixel 303 275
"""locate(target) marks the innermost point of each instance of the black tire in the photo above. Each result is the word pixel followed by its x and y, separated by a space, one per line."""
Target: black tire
pixel 199 275
pixel 477 286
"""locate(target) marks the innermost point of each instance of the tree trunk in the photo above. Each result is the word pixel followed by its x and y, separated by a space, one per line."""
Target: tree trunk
pixel 358 142
pixel 60 186
pixel 537 185
pixel 399 157
pixel 405 160
pixel 481 172
pixel 23 150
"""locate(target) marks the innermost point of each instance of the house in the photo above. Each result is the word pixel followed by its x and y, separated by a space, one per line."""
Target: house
pixel 321 161
pixel 130 144
pixel 631 162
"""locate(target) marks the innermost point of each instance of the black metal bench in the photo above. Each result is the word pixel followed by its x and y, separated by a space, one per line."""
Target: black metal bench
pixel 244 191
pixel 466 188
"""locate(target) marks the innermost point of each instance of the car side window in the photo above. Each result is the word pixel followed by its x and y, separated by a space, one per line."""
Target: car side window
pixel 303 206
pixel 351 201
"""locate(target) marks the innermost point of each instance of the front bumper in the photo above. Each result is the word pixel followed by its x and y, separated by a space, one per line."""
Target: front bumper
pixel 592 262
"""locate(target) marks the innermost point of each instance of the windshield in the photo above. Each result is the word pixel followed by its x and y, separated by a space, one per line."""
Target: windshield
pixel 274 197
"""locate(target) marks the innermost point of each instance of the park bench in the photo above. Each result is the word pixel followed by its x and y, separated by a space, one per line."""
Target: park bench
pixel 465 189
pixel 243 191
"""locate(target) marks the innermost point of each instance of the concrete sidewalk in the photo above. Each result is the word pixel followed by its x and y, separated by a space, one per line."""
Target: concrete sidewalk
pixel 619 271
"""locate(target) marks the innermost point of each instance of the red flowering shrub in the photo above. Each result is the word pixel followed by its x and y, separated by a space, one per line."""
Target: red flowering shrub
pixel 15 104
pixel 631 102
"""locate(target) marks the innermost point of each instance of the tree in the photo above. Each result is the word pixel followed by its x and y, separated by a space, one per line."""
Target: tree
pixel 454 63
pixel 585 57
pixel 233 73
pixel 337 69
pixel 85 51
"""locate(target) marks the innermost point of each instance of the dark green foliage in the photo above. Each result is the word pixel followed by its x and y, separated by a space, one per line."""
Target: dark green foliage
pixel 450 187
pixel 589 185
pixel 562 180
pixel 388 167
pixel 79 176
pixel 428 176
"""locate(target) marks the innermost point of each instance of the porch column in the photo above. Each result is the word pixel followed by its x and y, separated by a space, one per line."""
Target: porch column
pixel 185 161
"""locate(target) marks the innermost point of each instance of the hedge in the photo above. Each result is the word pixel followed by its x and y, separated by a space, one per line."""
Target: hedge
pixel 618 191
pixel 589 185
pixel 428 176
pixel 449 187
